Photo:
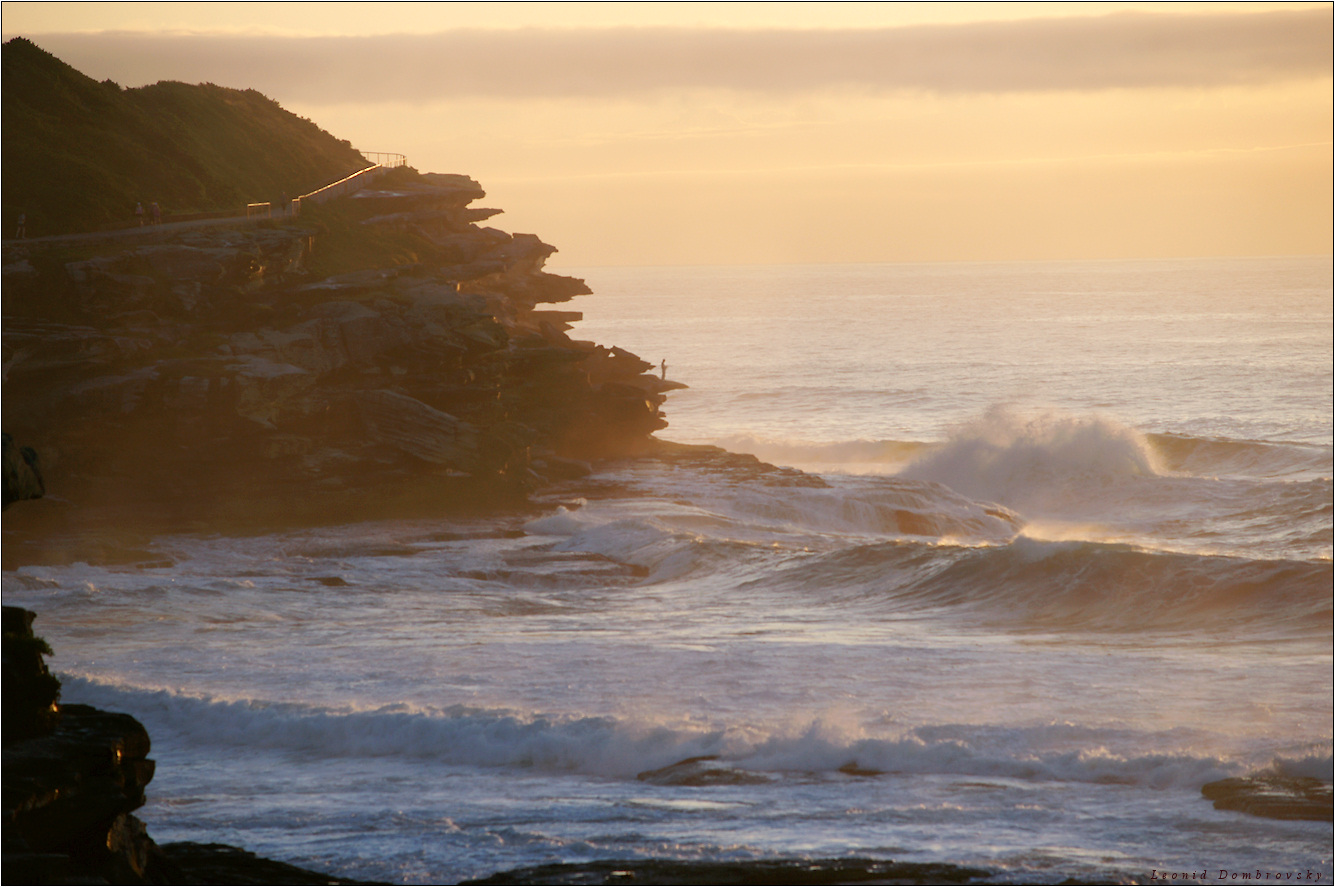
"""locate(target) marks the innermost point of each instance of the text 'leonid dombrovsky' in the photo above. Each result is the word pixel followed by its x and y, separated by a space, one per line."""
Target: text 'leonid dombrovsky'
pixel 1308 876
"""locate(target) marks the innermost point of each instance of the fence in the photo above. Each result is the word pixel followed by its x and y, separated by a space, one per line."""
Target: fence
pixel 385 158
pixel 385 161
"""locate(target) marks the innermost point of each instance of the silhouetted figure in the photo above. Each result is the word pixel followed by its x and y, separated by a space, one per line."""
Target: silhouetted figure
pixel 139 213
pixel 663 365
pixel 157 213
pixel 22 231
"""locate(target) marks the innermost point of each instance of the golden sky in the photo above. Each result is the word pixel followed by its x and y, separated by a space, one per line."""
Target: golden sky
pixel 693 133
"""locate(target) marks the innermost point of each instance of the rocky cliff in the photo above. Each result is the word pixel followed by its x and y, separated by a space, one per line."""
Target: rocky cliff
pixel 383 354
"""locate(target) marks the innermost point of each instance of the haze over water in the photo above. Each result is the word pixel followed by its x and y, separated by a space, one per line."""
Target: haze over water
pixel 1062 555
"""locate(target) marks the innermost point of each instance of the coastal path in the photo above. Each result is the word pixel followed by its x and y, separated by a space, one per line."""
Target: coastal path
pixel 252 214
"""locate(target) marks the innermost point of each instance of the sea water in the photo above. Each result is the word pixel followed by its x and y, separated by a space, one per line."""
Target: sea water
pixel 1060 555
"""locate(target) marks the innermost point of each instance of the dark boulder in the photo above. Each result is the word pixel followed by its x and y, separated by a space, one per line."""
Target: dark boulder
pixel 757 871
pixel 704 770
pixel 1273 796
pixel 68 796
pixel 29 690
pixel 23 473
pixel 186 862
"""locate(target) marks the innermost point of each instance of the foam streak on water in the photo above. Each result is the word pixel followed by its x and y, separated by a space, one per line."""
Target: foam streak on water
pixel 1062 556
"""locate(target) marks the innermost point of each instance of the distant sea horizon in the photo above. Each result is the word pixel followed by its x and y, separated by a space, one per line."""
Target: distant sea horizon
pixel 557 264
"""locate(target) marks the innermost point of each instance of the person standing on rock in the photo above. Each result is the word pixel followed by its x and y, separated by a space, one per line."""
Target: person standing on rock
pixel 663 366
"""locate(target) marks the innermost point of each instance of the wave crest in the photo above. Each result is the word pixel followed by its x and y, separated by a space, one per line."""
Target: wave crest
pixel 1083 586
pixel 621 748
pixel 851 456
pixel 1037 461
pixel 1241 458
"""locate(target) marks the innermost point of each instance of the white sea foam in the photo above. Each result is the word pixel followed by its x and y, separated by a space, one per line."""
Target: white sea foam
pixel 1037 461
pixel 621 748
pixel 562 522
pixel 1312 766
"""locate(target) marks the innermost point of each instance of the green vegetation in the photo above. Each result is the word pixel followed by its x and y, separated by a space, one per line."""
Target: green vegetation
pixel 78 154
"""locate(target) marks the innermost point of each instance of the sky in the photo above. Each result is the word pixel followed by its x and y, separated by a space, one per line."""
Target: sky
pixel 730 133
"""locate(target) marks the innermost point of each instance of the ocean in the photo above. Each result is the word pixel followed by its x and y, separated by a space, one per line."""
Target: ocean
pixel 1046 548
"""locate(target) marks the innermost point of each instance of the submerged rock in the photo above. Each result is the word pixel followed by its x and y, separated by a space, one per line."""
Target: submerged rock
pixel 760 871
pixel 1273 796
pixel 704 770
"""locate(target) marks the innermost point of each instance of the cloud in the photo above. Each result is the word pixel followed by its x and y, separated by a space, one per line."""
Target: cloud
pixel 1123 50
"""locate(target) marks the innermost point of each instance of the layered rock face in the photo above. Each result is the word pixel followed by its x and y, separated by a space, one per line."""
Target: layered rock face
pixel 72 776
pixel 381 355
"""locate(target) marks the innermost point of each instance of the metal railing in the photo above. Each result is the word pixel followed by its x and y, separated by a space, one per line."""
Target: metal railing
pixel 387 159
pixel 355 182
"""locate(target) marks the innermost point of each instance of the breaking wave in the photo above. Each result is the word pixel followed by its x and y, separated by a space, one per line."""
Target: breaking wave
pixel 1085 586
pixel 1206 456
pixel 1070 438
pixel 611 747
pixel 1037 461
pixel 718 526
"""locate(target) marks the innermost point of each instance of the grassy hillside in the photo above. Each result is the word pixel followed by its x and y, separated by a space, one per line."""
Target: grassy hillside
pixel 78 154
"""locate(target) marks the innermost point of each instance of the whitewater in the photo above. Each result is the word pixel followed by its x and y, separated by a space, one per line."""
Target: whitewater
pixel 1030 553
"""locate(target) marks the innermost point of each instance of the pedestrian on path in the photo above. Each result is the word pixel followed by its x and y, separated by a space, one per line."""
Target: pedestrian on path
pixel 22 231
pixel 139 212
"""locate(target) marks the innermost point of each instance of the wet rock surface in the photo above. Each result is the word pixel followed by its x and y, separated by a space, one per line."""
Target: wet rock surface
pixel 68 798
pixel 190 863
pixel 1273 796
pixel 767 871
pixel 700 771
